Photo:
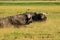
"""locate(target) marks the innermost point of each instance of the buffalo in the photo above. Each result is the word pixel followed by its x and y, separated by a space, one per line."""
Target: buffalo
pixel 16 20
pixel 22 19
pixel 39 17
pixel 34 16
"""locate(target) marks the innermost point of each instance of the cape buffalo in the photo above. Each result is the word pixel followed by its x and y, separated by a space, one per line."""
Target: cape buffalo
pixel 39 17
pixel 34 16
pixel 20 19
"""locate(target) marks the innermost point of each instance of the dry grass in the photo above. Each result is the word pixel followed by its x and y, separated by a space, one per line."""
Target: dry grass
pixel 49 30
pixel 12 10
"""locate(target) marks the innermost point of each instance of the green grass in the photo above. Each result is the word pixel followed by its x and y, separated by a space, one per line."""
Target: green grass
pixel 49 30
pixel 29 3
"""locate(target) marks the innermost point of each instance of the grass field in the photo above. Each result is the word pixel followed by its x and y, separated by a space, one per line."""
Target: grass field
pixel 49 30
pixel 29 3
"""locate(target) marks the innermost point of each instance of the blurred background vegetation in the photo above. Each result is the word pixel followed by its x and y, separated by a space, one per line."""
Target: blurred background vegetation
pixel 29 0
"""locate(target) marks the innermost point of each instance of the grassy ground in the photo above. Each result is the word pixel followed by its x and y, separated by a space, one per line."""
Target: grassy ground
pixel 29 3
pixel 49 30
